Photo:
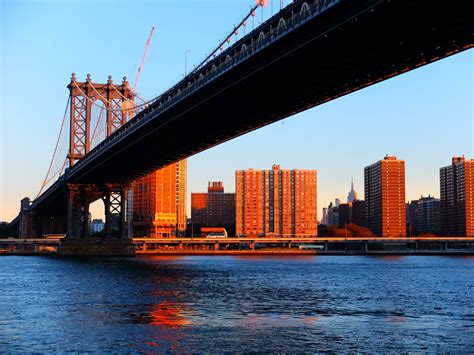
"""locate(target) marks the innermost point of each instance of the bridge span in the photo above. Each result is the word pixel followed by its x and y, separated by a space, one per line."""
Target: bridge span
pixel 309 53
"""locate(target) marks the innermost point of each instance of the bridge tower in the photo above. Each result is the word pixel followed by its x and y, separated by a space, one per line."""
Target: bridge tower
pixel 118 101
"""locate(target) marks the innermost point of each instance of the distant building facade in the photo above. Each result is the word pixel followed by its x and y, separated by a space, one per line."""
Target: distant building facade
pixel 351 212
pixel 97 226
pixel 159 202
pixel 215 208
pixel 423 215
pixel 384 183
pixel 345 214
pixel 276 202
pixel 324 220
pixel 358 212
pixel 457 197
pixel 333 215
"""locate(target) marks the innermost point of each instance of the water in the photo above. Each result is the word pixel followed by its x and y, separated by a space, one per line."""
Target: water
pixel 243 304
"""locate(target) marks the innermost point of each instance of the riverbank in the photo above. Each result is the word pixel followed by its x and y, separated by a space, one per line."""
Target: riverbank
pixel 240 246
pixel 267 252
pixel 304 252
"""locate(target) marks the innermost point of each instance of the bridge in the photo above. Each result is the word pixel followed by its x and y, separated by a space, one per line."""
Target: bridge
pixel 308 53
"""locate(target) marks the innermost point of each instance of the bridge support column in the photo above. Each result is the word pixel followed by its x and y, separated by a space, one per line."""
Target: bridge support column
pixel 25 219
pixel 115 199
pixel 78 241
pixel 79 198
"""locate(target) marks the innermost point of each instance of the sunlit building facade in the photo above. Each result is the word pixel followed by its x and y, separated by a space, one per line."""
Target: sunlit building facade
pixel 159 203
pixel 384 183
pixel 457 197
pixel 215 208
pixel 276 203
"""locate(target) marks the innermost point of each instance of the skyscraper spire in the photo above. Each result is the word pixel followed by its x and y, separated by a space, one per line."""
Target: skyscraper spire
pixel 352 196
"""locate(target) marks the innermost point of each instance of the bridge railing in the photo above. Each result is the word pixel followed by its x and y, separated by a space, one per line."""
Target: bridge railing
pixel 292 16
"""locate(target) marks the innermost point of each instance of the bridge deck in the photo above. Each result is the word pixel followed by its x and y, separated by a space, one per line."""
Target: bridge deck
pixel 295 61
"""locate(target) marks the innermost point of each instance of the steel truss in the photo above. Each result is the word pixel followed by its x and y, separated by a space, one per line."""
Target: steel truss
pixel 118 101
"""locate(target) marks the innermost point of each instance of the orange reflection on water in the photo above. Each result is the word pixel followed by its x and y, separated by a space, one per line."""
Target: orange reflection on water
pixel 169 315
pixel 310 319
pixel 390 257
pixel 160 257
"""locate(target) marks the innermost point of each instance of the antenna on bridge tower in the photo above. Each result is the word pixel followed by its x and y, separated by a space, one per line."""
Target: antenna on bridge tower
pixel 145 52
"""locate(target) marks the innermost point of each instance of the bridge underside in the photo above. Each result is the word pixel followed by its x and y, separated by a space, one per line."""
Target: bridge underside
pixel 352 45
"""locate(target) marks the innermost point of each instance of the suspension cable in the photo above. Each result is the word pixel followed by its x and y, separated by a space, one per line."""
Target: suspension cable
pixel 97 124
pixel 123 97
pixel 100 95
pixel 140 98
pixel 243 22
pixel 57 172
pixel 55 149
pixel 110 109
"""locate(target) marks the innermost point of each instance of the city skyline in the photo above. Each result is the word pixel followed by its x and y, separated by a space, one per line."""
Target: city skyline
pixel 287 176
pixel 321 138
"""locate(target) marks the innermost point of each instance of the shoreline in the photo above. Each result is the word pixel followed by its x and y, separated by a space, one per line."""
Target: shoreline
pixel 268 253
pixel 307 252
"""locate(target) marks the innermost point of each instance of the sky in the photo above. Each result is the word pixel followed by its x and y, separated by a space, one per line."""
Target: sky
pixel 424 116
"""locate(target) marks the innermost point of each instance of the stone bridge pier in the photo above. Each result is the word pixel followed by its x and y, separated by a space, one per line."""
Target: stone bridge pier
pixel 78 241
pixel 36 225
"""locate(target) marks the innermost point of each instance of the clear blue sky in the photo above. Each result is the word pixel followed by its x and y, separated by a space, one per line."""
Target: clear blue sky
pixel 424 116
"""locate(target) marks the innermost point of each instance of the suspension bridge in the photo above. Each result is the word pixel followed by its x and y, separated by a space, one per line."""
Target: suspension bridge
pixel 309 52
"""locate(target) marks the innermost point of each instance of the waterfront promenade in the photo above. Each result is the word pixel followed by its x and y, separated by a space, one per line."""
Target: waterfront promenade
pixel 266 246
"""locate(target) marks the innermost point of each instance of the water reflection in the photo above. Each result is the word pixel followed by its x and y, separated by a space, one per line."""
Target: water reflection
pixel 203 304
pixel 389 257
pixel 167 314
pixel 266 258
pixel 161 257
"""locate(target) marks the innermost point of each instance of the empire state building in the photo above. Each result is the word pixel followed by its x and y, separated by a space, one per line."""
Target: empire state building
pixel 352 196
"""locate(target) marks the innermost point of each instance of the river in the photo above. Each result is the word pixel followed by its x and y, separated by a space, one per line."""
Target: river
pixel 237 304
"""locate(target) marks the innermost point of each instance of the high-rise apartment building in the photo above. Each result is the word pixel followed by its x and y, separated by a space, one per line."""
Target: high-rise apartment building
pixel 345 214
pixel 159 203
pixel 351 212
pixel 457 197
pixel 333 215
pixel 358 212
pixel 384 183
pixel 423 215
pixel 324 219
pixel 276 202
pixel 215 208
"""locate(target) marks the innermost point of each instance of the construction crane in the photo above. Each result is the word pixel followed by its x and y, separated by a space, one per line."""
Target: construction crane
pixel 145 52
